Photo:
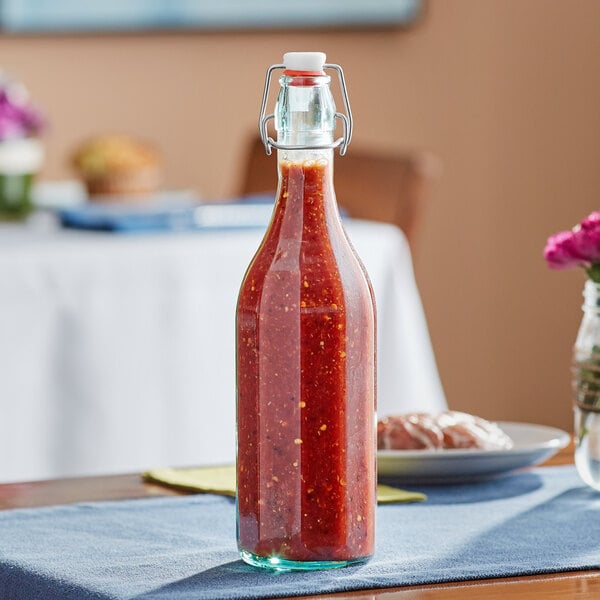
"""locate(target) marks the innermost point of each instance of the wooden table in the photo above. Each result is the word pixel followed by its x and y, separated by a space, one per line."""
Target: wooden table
pixel 580 584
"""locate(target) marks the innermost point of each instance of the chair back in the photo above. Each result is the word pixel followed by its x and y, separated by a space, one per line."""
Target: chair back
pixel 387 187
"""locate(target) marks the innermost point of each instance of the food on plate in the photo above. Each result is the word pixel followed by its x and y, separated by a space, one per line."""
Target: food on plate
pixel 449 429
pixel 117 165
pixel 417 431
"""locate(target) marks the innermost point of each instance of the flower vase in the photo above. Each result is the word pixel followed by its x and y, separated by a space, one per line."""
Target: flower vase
pixel 586 388
pixel 20 160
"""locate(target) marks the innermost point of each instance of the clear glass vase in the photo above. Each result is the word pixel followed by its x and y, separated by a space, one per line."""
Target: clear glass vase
pixel 586 388
pixel 20 160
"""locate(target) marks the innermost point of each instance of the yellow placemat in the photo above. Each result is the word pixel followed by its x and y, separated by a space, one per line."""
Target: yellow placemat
pixel 221 480
pixel 391 495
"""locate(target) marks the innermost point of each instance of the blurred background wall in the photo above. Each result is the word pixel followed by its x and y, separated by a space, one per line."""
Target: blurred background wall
pixel 505 92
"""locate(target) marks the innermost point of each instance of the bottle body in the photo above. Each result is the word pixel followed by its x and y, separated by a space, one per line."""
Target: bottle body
pixel 306 383
pixel 586 388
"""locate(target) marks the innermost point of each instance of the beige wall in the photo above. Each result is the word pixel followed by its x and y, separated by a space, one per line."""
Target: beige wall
pixel 506 92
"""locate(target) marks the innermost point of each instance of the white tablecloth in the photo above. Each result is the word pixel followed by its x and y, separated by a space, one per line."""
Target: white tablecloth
pixel 117 352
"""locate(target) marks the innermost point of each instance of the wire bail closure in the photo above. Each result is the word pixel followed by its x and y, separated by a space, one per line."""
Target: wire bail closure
pixel 341 142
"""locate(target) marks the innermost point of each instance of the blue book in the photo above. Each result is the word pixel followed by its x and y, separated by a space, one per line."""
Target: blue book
pixel 249 212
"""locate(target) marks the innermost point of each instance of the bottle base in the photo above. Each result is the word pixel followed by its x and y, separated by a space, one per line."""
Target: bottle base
pixel 274 563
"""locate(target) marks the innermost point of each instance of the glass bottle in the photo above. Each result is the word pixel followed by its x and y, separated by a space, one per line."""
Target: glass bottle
pixel 306 448
pixel 586 388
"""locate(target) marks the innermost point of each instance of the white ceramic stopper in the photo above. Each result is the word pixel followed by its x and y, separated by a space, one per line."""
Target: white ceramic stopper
pixel 304 61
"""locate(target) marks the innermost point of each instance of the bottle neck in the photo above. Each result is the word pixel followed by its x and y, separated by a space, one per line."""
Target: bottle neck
pixel 305 118
pixel 305 112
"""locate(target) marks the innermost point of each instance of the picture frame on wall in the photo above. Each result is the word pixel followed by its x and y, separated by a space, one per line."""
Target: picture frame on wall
pixel 31 16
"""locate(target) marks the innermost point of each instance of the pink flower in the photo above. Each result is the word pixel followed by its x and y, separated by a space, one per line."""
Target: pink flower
pixel 587 238
pixel 579 247
pixel 18 118
pixel 561 251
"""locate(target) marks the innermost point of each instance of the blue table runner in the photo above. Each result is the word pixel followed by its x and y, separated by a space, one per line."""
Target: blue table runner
pixel 183 548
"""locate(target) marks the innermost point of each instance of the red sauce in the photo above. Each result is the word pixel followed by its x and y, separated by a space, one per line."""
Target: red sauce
pixel 306 383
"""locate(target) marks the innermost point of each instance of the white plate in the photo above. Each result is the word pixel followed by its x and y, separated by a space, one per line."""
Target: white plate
pixel 532 445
